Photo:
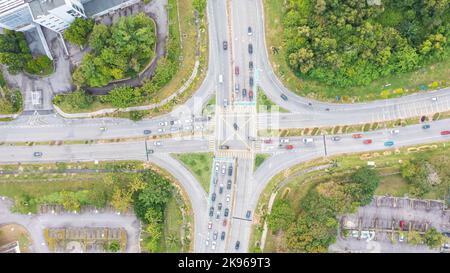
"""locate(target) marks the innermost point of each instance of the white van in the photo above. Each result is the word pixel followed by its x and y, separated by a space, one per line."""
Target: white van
pixel 220 78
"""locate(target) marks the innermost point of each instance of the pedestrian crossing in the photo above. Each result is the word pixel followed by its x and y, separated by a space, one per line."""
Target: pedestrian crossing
pixel 235 153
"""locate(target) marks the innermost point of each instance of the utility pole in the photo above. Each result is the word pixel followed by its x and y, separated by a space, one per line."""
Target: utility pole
pixel 146 150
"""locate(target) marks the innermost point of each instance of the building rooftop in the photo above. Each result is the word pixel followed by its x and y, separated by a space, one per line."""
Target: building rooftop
pixel 39 7
pixel 96 6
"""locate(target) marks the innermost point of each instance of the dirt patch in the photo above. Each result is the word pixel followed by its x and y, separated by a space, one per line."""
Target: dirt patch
pixel 13 232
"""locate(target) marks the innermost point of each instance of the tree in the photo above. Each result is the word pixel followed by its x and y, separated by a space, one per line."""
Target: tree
pixel 114 246
pixel 121 199
pixel 124 96
pixel 99 37
pixel 77 100
pixel 367 181
pixel 69 201
pixel 414 238
pixel 172 240
pixel 281 216
pixel 14 51
pixel 433 238
pixel 78 31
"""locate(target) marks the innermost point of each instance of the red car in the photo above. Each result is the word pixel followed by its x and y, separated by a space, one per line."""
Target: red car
pixel 289 147
pixel 250 94
pixel 357 136
pixel 224 222
pixel 367 141
pixel 268 141
pixel 236 70
pixel 444 133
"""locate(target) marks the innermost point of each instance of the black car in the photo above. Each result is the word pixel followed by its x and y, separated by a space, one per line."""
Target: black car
pixel 37 154
pixel 248 214
pixel 229 185
pixel 172 122
pixel 235 126
pixel 221 190
pixel 249 31
pixel 225 45
pixel 250 65
pixel 213 197
pixel 244 92
pixel 147 132
pixel 250 48
pixel 224 147
pixel 236 246
pixel 283 96
pixel 226 212
pixel 222 236
pixel 219 207
pixel 251 81
pixel 211 211
pixel 150 151
pixel 230 170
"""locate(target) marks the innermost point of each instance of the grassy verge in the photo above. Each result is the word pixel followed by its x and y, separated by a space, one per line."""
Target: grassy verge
pixel 172 227
pixel 387 163
pixel 200 165
pixel 11 101
pixel 432 76
pixel 259 159
pixel 264 104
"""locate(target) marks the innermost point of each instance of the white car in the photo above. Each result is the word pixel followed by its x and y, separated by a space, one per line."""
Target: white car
pixel 163 123
pixel 157 143
pixel 174 129
pixel 209 225
pixel 395 131
pixel 207 242
pixel 213 245
pixel 188 121
pixel 161 130
pixel 284 140
pixel 434 99
pixel 228 198
pixel 308 140
pixel 225 103
pixel 188 128
pixel 217 167
pixel 224 168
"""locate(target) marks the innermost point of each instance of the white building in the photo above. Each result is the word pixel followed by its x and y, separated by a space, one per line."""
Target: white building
pixel 56 15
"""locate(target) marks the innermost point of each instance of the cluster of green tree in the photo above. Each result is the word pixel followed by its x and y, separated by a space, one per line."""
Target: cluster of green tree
pixel 10 101
pixel 149 205
pixel 119 51
pixel 77 100
pixel 415 172
pixel 314 226
pixel 351 42
pixel 200 7
pixel 16 55
pixel 78 32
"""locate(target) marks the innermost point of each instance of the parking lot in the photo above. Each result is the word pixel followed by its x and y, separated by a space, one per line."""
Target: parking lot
pixel 219 203
pixel 383 225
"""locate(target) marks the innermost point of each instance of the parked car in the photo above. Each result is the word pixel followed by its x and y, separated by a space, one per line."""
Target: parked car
pixel 248 214
pixel 357 136
pixel 284 97
pixel 389 143
pixel 444 133
pixel 147 132
pixel 225 45
pixel 229 184
pixel 426 126
pixel 336 138
pixel 367 141
pixel 37 154
pixel 227 211
pixel 250 48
